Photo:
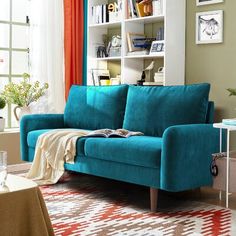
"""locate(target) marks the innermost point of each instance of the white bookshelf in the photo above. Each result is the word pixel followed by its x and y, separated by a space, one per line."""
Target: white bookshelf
pixel 131 66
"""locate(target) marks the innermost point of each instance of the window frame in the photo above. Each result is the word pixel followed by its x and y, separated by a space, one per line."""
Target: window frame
pixel 10 50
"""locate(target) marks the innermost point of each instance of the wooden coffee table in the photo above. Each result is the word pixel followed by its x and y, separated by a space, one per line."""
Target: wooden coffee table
pixel 23 210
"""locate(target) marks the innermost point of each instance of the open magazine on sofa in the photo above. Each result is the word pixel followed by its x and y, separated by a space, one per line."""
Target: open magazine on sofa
pixel 108 133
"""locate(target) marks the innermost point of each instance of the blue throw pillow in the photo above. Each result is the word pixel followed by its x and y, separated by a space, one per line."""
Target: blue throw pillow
pixel 95 107
pixel 153 109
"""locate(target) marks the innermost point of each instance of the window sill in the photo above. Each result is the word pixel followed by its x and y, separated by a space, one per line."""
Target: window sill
pixel 10 131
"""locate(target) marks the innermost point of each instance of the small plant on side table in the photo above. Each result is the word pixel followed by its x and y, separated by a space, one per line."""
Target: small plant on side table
pixel 2 120
pixel 232 92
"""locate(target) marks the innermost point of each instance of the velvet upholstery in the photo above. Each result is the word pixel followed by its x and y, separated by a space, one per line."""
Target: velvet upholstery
pixel 96 107
pixel 187 153
pixel 210 113
pixel 153 109
pixel 179 160
pixel 34 122
pixel 33 137
pixel 136 150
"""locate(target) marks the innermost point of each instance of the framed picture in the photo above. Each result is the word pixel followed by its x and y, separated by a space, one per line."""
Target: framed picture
pixel 157 47
pixel 209 27
pixel 207 2
pixel 131 38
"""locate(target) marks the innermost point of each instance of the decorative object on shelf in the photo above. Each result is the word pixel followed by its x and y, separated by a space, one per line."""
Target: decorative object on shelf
pixel 157 47
pixel 115 10
pixel 115 81
pixel 160 34
pixel 142 80
pixel 101 52
pixel 148 70
pixel 209 27
pixel 159 75
pixel 23 94
pixel 157 7
pixel 207 2
pixel 114 48
pixel 143 8
pixel 100 74
pixel 2 120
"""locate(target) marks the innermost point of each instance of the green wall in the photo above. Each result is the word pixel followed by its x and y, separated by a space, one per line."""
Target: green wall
pixel 213 63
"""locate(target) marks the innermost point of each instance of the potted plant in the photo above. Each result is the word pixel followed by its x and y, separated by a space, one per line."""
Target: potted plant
pixel 23 94
pixel 2 120
pixel 232 92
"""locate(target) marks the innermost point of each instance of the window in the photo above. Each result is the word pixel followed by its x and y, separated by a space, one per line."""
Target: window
pixel 14 47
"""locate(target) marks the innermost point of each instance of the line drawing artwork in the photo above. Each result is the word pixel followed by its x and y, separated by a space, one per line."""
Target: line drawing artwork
pixel 210 27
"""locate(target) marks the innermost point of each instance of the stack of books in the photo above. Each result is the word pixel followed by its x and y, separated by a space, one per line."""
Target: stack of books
pixel 229 121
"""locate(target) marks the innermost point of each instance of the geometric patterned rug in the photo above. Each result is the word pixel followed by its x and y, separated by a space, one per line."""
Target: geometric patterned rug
pixel 87 205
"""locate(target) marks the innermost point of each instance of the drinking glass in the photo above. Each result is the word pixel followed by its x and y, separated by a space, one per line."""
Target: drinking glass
pixel 3 168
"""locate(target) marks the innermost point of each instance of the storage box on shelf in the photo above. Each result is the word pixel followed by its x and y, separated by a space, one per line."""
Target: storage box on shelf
pixel 166 23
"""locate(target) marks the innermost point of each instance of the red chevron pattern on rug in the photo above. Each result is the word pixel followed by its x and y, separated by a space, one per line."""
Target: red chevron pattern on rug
pixel 87 205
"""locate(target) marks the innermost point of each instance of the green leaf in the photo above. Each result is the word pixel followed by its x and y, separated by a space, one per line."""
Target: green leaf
pixel 232 92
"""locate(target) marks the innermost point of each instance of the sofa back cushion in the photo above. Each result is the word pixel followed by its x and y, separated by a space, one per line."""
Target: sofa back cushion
pixel 95 107
pixel 153 109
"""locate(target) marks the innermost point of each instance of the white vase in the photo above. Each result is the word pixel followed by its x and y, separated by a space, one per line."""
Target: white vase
pixel 22 111
pixel 2 124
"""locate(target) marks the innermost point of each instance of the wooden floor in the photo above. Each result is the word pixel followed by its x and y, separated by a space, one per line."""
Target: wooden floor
pixel 208 195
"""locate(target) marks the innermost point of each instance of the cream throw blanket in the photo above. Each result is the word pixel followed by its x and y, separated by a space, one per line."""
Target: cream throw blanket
pixel 53 149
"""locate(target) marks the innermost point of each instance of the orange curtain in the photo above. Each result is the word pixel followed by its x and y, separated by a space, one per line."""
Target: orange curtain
pixel 74 42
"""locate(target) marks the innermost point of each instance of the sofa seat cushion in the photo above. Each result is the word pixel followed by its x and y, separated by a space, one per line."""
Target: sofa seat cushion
pixel 153 109
pixel 136 150
pixel 33 137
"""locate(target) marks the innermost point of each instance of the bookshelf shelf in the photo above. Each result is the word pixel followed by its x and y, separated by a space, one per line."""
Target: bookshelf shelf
pixel 160 55
pixel 129 67
pixel 146 20
pixel 108 25
pixel 107 59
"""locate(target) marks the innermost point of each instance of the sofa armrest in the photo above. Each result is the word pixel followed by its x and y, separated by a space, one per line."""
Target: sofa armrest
pixel 34 122
pixel 186 156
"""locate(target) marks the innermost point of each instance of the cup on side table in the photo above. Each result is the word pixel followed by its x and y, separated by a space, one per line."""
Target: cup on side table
pixel 3 169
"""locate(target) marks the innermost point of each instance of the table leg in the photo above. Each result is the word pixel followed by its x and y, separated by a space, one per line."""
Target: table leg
pixel 227 170
pixel 220 140
pixel 220 194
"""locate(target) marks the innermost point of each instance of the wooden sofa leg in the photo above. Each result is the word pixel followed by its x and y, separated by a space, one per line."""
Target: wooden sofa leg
pixel 153 199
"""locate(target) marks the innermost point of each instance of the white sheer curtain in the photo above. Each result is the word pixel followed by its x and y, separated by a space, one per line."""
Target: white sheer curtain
pixel 47 52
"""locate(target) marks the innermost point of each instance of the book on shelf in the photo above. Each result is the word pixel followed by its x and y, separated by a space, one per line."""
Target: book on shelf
pixel 105 13
pixel 157 7
pixel 108 133
pixel 140 9
pixel 229 121
pixel 132 5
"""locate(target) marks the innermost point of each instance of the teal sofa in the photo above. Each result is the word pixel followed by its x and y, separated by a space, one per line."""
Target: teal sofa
pixel 174 154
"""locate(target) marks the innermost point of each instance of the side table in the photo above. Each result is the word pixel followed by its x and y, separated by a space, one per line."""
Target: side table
pixel 23 210
pixel 228 128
